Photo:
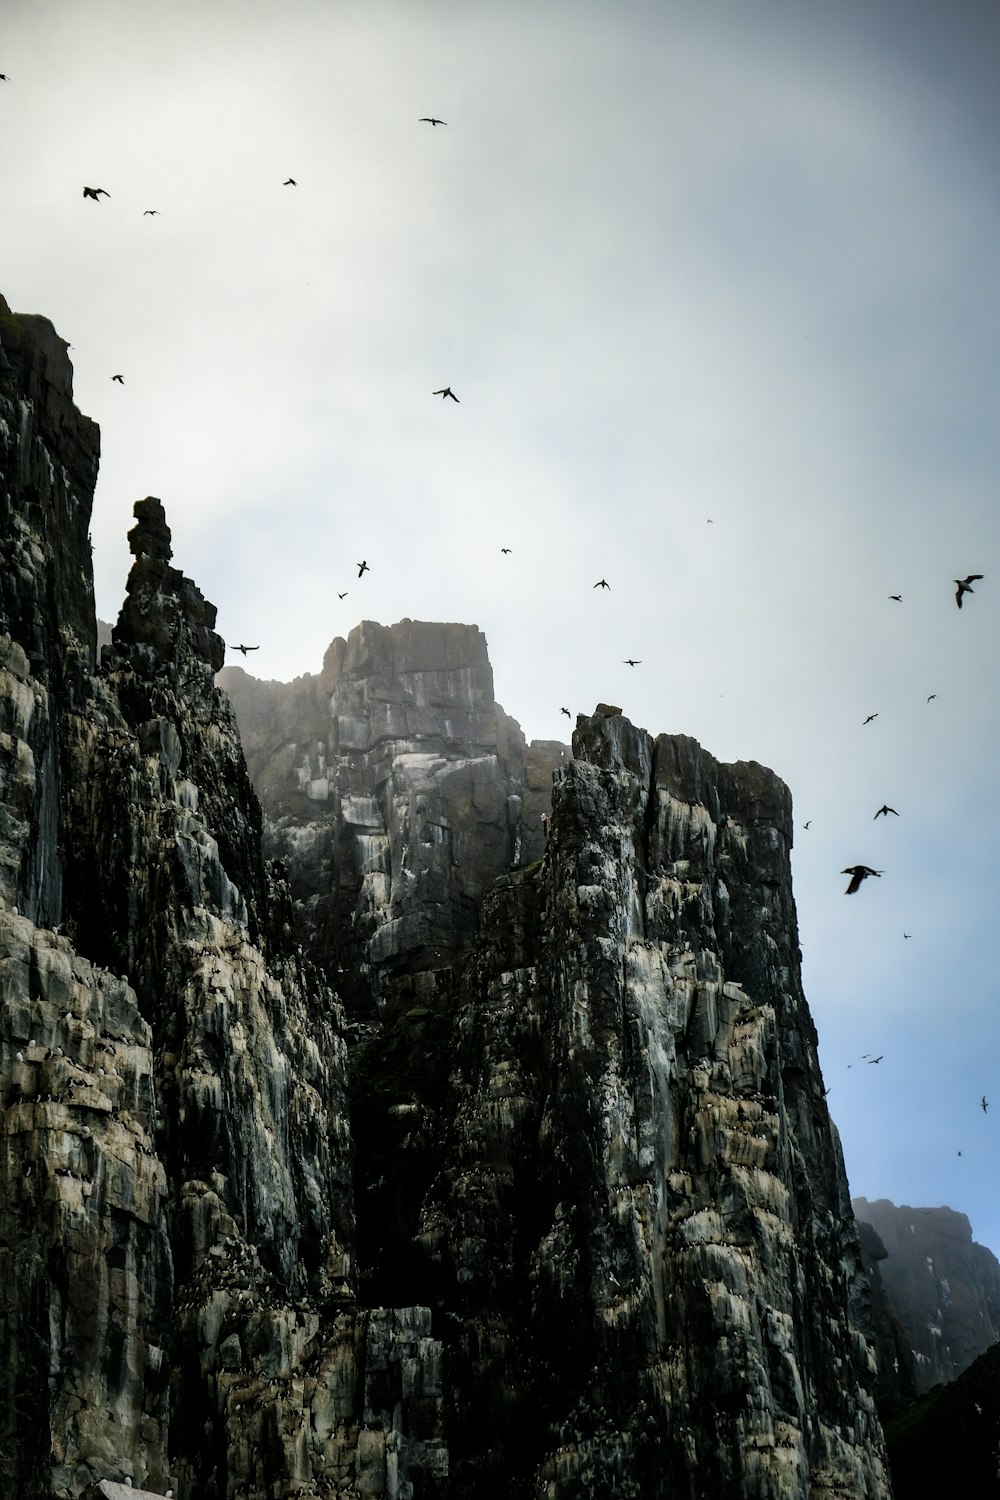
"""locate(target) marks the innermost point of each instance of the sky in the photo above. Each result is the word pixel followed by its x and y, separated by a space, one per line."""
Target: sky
pixel 715 286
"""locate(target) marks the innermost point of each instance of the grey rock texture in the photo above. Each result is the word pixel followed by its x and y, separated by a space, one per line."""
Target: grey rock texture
pixel 395 791
pixel 943 1288
pixel 569 1217
pixel 176 1206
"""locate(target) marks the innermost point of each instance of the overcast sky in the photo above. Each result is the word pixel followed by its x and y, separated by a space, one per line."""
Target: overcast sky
pixel 730 262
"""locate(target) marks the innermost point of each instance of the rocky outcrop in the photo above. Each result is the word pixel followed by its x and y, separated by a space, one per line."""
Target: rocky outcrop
pixel 176 1206
pixel 943 1288
pixel 396 790
pixel 568 1219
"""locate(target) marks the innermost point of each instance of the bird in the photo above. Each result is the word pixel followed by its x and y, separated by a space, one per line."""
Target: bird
pixel 858 873
pixel 930 696
pixel 806 825
pixel 883 810
pixel 869 719
pixel 876 1059
pixel 898 598
pixel 504 549
pixel 363 568
pixel 344 594
pixel 445 390
pixel 289 182
pixel 430 120
pixel 150 211
pixel 602 583
pixel 984 1103
pixel 120 379
pixel 907 934
pixel 630 661
pixel 566 712
pixel 5 77
pixel 245 649
pixel 965 586
pixel 95 193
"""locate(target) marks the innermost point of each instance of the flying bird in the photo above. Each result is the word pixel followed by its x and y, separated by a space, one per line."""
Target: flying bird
pixel 147 211
pixel 965 586
pixel 876 1059
pixel 869 719
pixel 984 1103
pixel 430 120
pixel 883 810
pixel 245 649
pixel 602 583
pixel 504 549
pixel 930 696
pixel 120 379
pixel 907 934
pixel 5 77
pixel 445 390
pixel 289 182
pixel 898 598
pixel 566 712
pixel 630 661
pixel 95 193
pixel 363 568
pixel 806 825
pixel 344 594
pixel 857 874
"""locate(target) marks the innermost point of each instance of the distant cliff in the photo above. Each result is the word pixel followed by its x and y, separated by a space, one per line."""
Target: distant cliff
pixel 943 1288
pixel 567 1218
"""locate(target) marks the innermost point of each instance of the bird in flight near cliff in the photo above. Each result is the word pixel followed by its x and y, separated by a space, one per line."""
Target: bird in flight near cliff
pixel 566 712
pixel 630 661
pixel 363 568
pixel 445 390
pixel 95 193
pixel 602 583
pixel 806 825
pixel 883 810
pixel 245 649
pixel 857 874
pixel 869 719
pixel 430 120
pixel 965 586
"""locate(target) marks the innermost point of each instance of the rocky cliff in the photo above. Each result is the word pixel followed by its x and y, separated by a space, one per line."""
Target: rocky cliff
pixel 568 1218
pixel 943 1288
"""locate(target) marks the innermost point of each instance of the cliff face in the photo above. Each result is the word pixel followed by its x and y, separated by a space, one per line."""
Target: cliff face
pixel 943 1287
pixel 568 1219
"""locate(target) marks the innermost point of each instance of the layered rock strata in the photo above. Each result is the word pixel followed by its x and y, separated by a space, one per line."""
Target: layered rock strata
pixel 943 1288
pixel 395 791
pixel 176 1215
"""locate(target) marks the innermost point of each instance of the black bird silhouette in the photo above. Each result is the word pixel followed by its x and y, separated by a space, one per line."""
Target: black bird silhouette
pixel 363 568
pixel 806 825
pixel 930 696
pixel 566 712
pixel 985 1103
pixel 630 661
pixel 883 810
pixel 147 211
pixel 344 594
pixel 907 934
pixel 857 874
pixel 898 598
pixel 602 583
pixel 876 1059
pixel 120 379
pixel 289 182
pixel 430 120
pixel 869 719
pixel 5 77
pixel 245 649
pixel 445 390
pixel 965 586
pixel 95 193
pixel 504 549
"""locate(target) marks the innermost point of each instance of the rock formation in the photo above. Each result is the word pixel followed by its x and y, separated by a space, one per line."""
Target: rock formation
pixel 943 1288
pixel 568 1218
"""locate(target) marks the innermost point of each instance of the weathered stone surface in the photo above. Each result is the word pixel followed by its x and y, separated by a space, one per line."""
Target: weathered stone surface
pixel 395 791
pixel 943 1288
pixel 176 1206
